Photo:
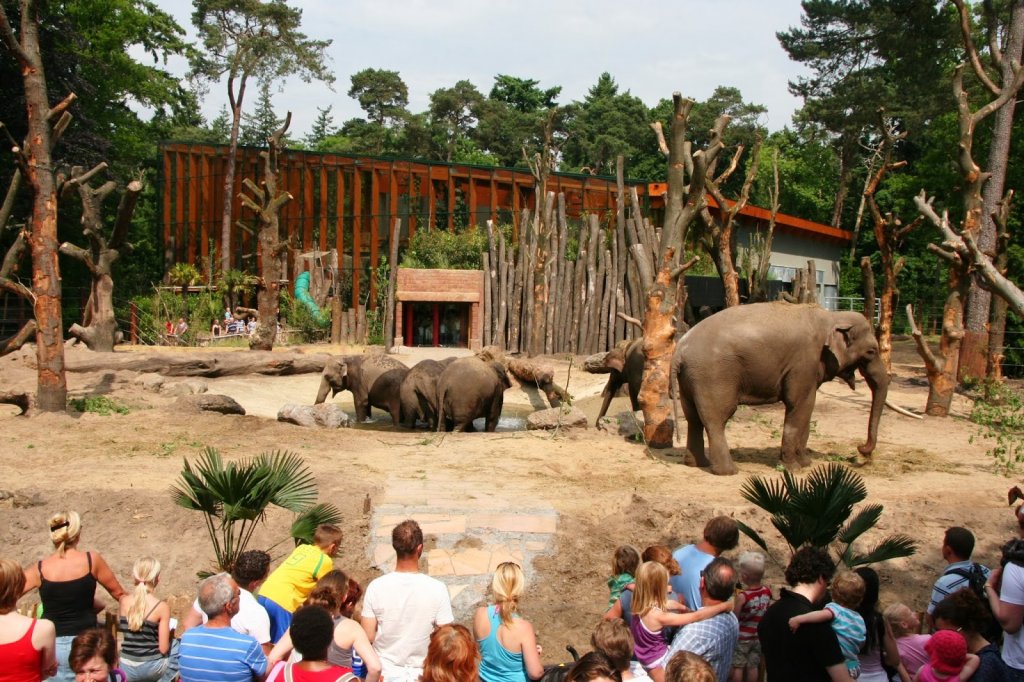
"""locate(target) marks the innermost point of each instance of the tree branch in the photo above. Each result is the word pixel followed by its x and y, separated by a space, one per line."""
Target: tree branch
pixel 922 346
pixel 125 210
pixel 13 343
pixel 972 51
pixel 659 133
pixel 630 320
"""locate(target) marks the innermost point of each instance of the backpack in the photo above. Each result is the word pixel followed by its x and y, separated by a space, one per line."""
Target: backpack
pixel 976 580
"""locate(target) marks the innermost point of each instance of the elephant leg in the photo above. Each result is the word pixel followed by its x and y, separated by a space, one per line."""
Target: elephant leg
pixel 694 433
pixel 491 423
pixel 610 389
pixel 362 408
pixel 714 419
pixel 795 431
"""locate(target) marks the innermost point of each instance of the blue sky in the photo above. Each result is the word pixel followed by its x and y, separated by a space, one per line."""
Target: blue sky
pixel 650 48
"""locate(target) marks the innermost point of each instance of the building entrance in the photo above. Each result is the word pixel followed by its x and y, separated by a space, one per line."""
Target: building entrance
pixel 437 324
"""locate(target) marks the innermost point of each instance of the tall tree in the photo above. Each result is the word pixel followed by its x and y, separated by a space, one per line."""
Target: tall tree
pixel 455 110
pixel 1005 39
pixel 384 96
pixel 512 119
pixel 605 124
pixel 35 165
pixel 246 39
pixel 323 127
pixel 262 123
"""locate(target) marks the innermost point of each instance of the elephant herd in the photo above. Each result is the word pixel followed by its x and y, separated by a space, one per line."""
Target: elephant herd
pixel 445 394
pixel 748 355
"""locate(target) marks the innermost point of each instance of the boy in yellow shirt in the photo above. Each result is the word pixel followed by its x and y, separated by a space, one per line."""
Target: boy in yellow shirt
pixel 287 587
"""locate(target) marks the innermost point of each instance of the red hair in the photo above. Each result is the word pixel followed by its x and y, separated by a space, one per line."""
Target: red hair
pixel 452 656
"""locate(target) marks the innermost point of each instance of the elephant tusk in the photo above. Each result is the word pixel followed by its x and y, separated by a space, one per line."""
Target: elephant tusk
pixel 903 411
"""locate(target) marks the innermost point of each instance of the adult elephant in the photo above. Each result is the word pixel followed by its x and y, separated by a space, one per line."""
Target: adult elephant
pixel 470 388
pixel 356 373
pixel 765 353
pixel 626 362
pixel 386 392
pixel 419 392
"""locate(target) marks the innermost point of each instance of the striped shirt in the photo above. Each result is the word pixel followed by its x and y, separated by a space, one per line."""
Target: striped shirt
pixel 850 631
pixel 755 603
pixel 220 655
pixel 950 582
pixel 713 640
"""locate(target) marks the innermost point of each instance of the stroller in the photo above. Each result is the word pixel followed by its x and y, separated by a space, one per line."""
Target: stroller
pixel 558 671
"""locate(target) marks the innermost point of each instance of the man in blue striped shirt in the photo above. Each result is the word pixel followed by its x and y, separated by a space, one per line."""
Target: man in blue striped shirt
pixel 214 652
pixel 957 547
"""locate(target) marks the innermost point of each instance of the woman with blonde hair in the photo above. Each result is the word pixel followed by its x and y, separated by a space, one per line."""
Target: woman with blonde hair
pixel 26 645
pixel 67 585
pixel 145 621
pixel 508 644
pixel 452 656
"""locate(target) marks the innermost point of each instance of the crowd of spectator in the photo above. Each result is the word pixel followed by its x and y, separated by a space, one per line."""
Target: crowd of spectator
pixel 692 615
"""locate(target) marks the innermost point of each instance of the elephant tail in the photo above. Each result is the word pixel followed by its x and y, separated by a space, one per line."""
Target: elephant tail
pixel 440 409
pixel 673 395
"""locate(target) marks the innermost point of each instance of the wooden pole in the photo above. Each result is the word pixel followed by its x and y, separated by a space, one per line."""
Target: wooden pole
pixel 389 312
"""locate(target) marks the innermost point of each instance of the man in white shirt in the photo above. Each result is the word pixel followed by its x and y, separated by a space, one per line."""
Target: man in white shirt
pixel 402 608
pixel 250 570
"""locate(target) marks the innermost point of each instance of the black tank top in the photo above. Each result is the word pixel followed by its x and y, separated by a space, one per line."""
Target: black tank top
pixel 68 603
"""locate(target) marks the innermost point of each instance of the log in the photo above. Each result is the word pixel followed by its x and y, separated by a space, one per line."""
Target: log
pixel 199 364
pixel 389 307
pixel 580 292
pixel 597 307
pixel 515 321
pixel 567 301
pixel 541 375
pixel 487 304
pixel 361 330
pixel 595 364
pixel 21 400
pixel 606 300
pixel 336 319
pixel 500 329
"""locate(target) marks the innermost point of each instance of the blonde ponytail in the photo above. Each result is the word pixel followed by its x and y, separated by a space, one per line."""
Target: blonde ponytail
pixel 65 527
pixel 507 586
pixel 145 572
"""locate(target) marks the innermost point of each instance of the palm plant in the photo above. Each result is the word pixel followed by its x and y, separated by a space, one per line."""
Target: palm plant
pixel 818 510
pixel 184 275
pixel 234 498
pixel 236 283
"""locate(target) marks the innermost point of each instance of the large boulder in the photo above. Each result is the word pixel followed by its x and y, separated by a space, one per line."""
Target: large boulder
pixel 565 417
pixel 183 388
pixel 151 381
pixel 326 415
pixel 212 402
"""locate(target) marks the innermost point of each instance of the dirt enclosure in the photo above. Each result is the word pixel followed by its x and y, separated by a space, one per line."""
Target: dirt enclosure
pixel 590 490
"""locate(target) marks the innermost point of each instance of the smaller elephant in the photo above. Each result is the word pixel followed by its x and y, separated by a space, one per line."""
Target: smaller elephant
pixel 419 392
pixel 626 362
pixel 470 388
pixel 356 373
pixel 386 392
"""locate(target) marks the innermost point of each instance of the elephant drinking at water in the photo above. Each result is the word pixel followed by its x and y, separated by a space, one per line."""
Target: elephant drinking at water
pixel 470 388
pixel 766 353
pixel 359 373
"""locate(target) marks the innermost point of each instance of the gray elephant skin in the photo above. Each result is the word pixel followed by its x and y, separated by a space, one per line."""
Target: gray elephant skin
pixel 766 353
pixel 470 388
pixel 419 392
pixel 358 373
pixel 626 362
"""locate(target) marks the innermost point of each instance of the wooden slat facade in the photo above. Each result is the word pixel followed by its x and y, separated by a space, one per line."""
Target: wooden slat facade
pixel 349 203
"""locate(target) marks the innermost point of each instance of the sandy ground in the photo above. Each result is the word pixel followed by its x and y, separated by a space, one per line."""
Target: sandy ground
pixel 606 490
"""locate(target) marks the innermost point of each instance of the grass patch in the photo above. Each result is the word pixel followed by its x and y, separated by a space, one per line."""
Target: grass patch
pixel 98 404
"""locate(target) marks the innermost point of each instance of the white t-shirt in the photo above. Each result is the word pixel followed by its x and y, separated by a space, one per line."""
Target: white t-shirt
pixel 251 619
pixel 1012 592
pixel 407 607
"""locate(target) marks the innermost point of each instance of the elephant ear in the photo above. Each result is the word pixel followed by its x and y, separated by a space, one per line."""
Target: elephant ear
pixel 615 360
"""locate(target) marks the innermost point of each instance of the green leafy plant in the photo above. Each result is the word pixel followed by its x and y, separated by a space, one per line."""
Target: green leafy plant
pixel 818 510
pixel 234 497
pixel 98 404
pixel 440 249
pixel 235 284
pixel 999 414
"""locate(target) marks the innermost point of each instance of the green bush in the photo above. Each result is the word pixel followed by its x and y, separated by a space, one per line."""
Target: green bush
pixel 311 328
pixel 440 249
pixel 97 404
pixel 999 414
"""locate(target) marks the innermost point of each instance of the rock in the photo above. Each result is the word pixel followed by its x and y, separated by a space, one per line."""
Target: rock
pixel 631 424
pixel 212 402
pixel 151 381
pixel 9 499
pixel 183 388
pixel 327 415
pixel 565 417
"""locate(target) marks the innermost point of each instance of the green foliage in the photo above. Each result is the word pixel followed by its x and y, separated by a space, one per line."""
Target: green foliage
pixel 323 127
pixel 234 284
pixel 818 511
pixel 440 249
pixel 382 94
pixel 375 317
pixel 999 413
pixel 263 122
pixel 234 497
pixel 98 404
pixel 312 328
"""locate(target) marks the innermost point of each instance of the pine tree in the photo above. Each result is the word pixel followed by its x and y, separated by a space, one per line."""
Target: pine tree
pixel 323 127
pixel 262 123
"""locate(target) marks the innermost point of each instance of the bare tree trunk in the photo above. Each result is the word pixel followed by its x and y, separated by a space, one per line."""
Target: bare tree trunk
pixel 267 203
pixel 235 101
pixel 389 306
pixel 868 278
pixel 36 165
pixel 100 331
pixel 941 370
pixel 974 350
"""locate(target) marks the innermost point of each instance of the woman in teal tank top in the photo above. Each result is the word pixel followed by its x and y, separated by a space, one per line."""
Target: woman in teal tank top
pixel 508 645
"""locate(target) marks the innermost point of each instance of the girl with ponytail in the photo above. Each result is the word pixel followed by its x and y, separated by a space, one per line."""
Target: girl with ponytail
pixel 145 621
pixel 508 645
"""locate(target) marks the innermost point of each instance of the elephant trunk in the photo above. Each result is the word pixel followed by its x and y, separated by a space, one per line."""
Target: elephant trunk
pixel 877 379
pixel 325 388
